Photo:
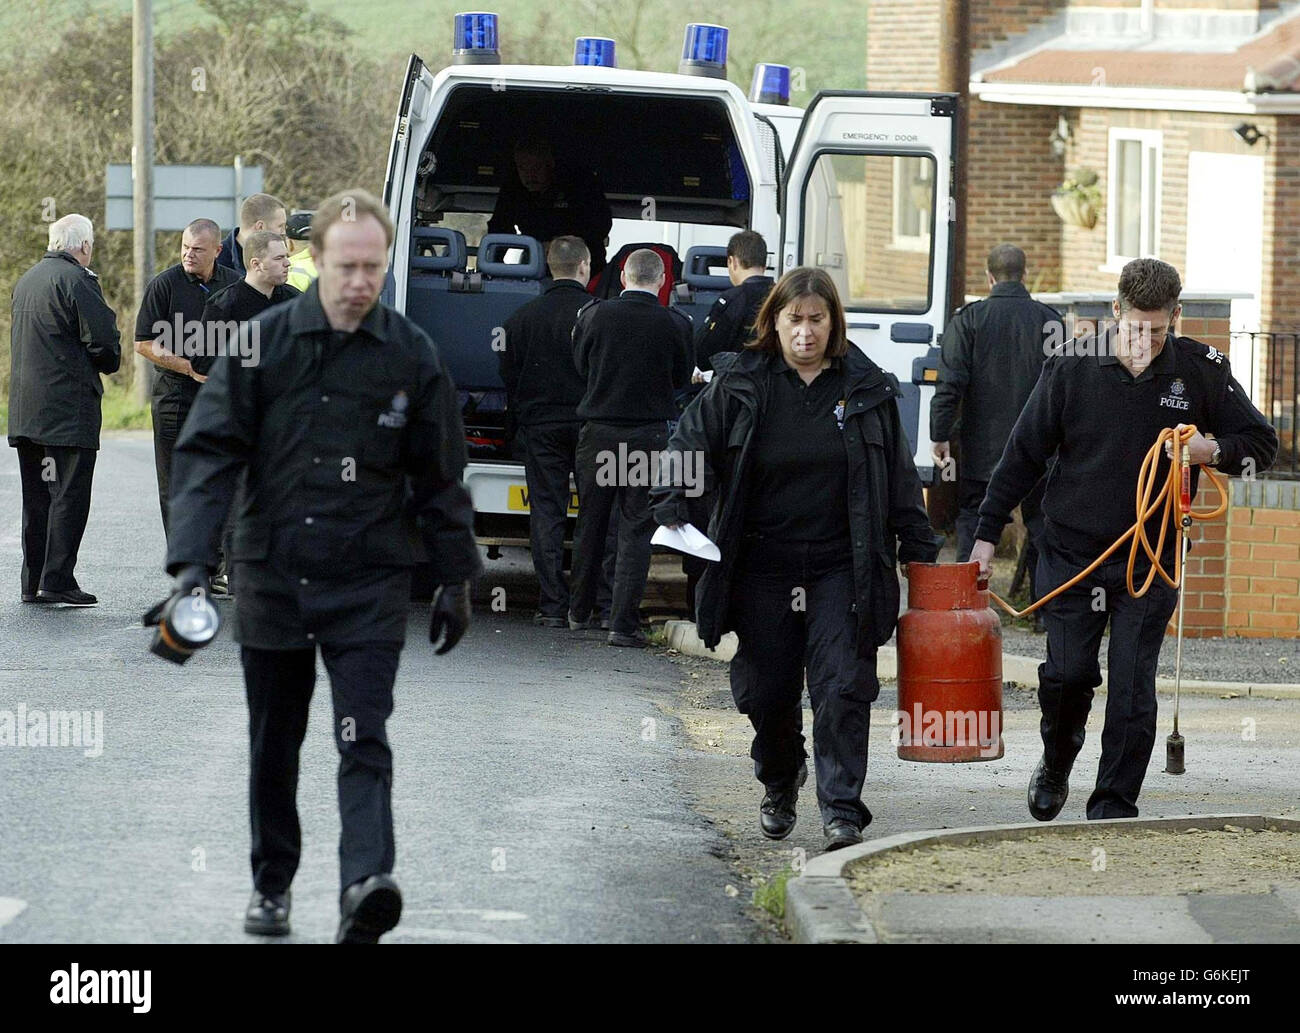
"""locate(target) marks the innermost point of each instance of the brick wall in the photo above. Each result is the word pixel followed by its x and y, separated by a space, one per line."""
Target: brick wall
pixel 1262 580
pixel 1012 172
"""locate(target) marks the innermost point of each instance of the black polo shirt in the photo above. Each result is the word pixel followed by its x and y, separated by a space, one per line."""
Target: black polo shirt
pixel 799 477
pixel 174 291
pixel 1100 420
pixel 240 302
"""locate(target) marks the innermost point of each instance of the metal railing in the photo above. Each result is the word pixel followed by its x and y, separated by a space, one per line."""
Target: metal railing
pixel 1267 365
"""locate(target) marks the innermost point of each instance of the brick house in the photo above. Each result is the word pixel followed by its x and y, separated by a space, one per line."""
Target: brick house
pixel 1188 111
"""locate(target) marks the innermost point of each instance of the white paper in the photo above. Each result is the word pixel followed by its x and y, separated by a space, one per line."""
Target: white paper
pixel 687 538
pixel 701 375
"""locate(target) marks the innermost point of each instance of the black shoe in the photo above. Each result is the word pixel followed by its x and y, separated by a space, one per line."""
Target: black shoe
pixel 637 641
pixel 267 914
pixel 72 597
pixel 369 908
pixel 542 620
pixel 1048 791
pixel 578 625
pixel 776 814
pixel 31 597
pixel 839 833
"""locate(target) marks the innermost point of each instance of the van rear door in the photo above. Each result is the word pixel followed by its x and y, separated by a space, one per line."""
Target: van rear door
pixel 410 123
pixel 867 196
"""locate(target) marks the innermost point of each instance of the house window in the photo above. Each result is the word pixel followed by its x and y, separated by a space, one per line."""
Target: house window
pixel 1133 195
pixel 913 202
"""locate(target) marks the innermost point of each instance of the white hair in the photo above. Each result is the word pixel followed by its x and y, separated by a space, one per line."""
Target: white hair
pixel 70 232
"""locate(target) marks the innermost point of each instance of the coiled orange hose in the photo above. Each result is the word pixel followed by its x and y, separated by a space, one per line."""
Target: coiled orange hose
pixel 1176 508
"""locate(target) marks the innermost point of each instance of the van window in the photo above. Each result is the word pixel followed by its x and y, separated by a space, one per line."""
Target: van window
pixel 867 220
pixel 664 159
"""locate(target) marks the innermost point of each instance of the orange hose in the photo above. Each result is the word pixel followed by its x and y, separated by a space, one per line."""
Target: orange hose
pixel 1170 496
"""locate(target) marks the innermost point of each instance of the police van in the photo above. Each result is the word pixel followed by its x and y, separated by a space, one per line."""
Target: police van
pixel 858 184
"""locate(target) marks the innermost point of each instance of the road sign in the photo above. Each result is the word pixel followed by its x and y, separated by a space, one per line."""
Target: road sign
pixel 183 193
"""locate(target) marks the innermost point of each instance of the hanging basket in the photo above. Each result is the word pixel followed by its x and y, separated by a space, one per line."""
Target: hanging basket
pixel 1075 210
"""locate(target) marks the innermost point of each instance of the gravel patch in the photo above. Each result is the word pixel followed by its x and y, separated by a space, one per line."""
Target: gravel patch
pixel 1101 862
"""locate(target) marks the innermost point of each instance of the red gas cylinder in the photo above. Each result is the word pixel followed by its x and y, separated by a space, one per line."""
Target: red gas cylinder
pixel 949 667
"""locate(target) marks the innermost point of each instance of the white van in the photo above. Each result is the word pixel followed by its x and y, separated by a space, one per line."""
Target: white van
pixel 858 183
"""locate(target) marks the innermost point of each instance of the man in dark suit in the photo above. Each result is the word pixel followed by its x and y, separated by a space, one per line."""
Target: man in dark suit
pixel 349 410
pixel 635 354
pixel 63 336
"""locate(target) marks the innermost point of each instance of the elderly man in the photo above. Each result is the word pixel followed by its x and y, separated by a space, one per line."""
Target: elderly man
pixel 258 212
pixel 635 354
pixel 63 336
pixel 349 411
pixel 173 304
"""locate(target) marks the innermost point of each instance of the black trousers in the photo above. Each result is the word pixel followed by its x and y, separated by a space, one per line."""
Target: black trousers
pixel 792 606
pixel 56 503
pixel 550 456
pixel 599 448
pixel 169 412
pixel 279 686
pixel 1076 621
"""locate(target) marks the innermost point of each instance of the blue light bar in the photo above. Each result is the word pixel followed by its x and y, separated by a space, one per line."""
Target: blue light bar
pixel 771 84
pixel 704 51
pixel 474 39
pixel 594 50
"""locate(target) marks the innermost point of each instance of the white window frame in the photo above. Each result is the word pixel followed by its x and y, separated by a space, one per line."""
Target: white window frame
pixel 903 241
pixel 1152 141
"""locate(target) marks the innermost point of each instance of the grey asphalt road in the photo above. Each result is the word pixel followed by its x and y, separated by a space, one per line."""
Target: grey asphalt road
pixel 540 784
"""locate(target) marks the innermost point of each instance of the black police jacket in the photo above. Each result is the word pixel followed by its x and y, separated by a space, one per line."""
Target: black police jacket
pixel 634 354
pixel 575 205
pixel 330 428
pixel 887 518
pixel 730 322
pixel 63 336
pixel 1099 421
pixel 542 384
pixel 993 351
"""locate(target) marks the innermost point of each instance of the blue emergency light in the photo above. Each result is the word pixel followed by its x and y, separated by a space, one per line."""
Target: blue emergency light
pixel 597 51
pixel 704 51
pixel 771 84
pixel 474 39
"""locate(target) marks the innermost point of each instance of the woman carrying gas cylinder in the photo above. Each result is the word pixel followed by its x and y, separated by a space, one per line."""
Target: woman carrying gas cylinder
pixel 818 500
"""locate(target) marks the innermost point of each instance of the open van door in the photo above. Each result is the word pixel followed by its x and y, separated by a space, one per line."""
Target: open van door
pixel 867 196
pixel 412 114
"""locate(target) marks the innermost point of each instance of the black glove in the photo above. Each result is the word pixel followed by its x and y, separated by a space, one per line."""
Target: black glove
pixel 187 580
pixel 450 618
pixel 192 577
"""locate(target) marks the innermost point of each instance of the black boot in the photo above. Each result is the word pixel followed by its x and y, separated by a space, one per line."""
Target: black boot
pixel 1048 791
pixel 776 814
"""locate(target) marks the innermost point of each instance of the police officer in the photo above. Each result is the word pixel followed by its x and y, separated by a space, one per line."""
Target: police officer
pixel 257 212
pixel 818 498
pixel 302 270
pixel 63 336
pixel 546 201
pixel 267 256
pixel 543 389
pixel 993 351
pixel 172 306
pixel 634 353
pixel 730 322
pixel 1099 409
pixel 348 403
